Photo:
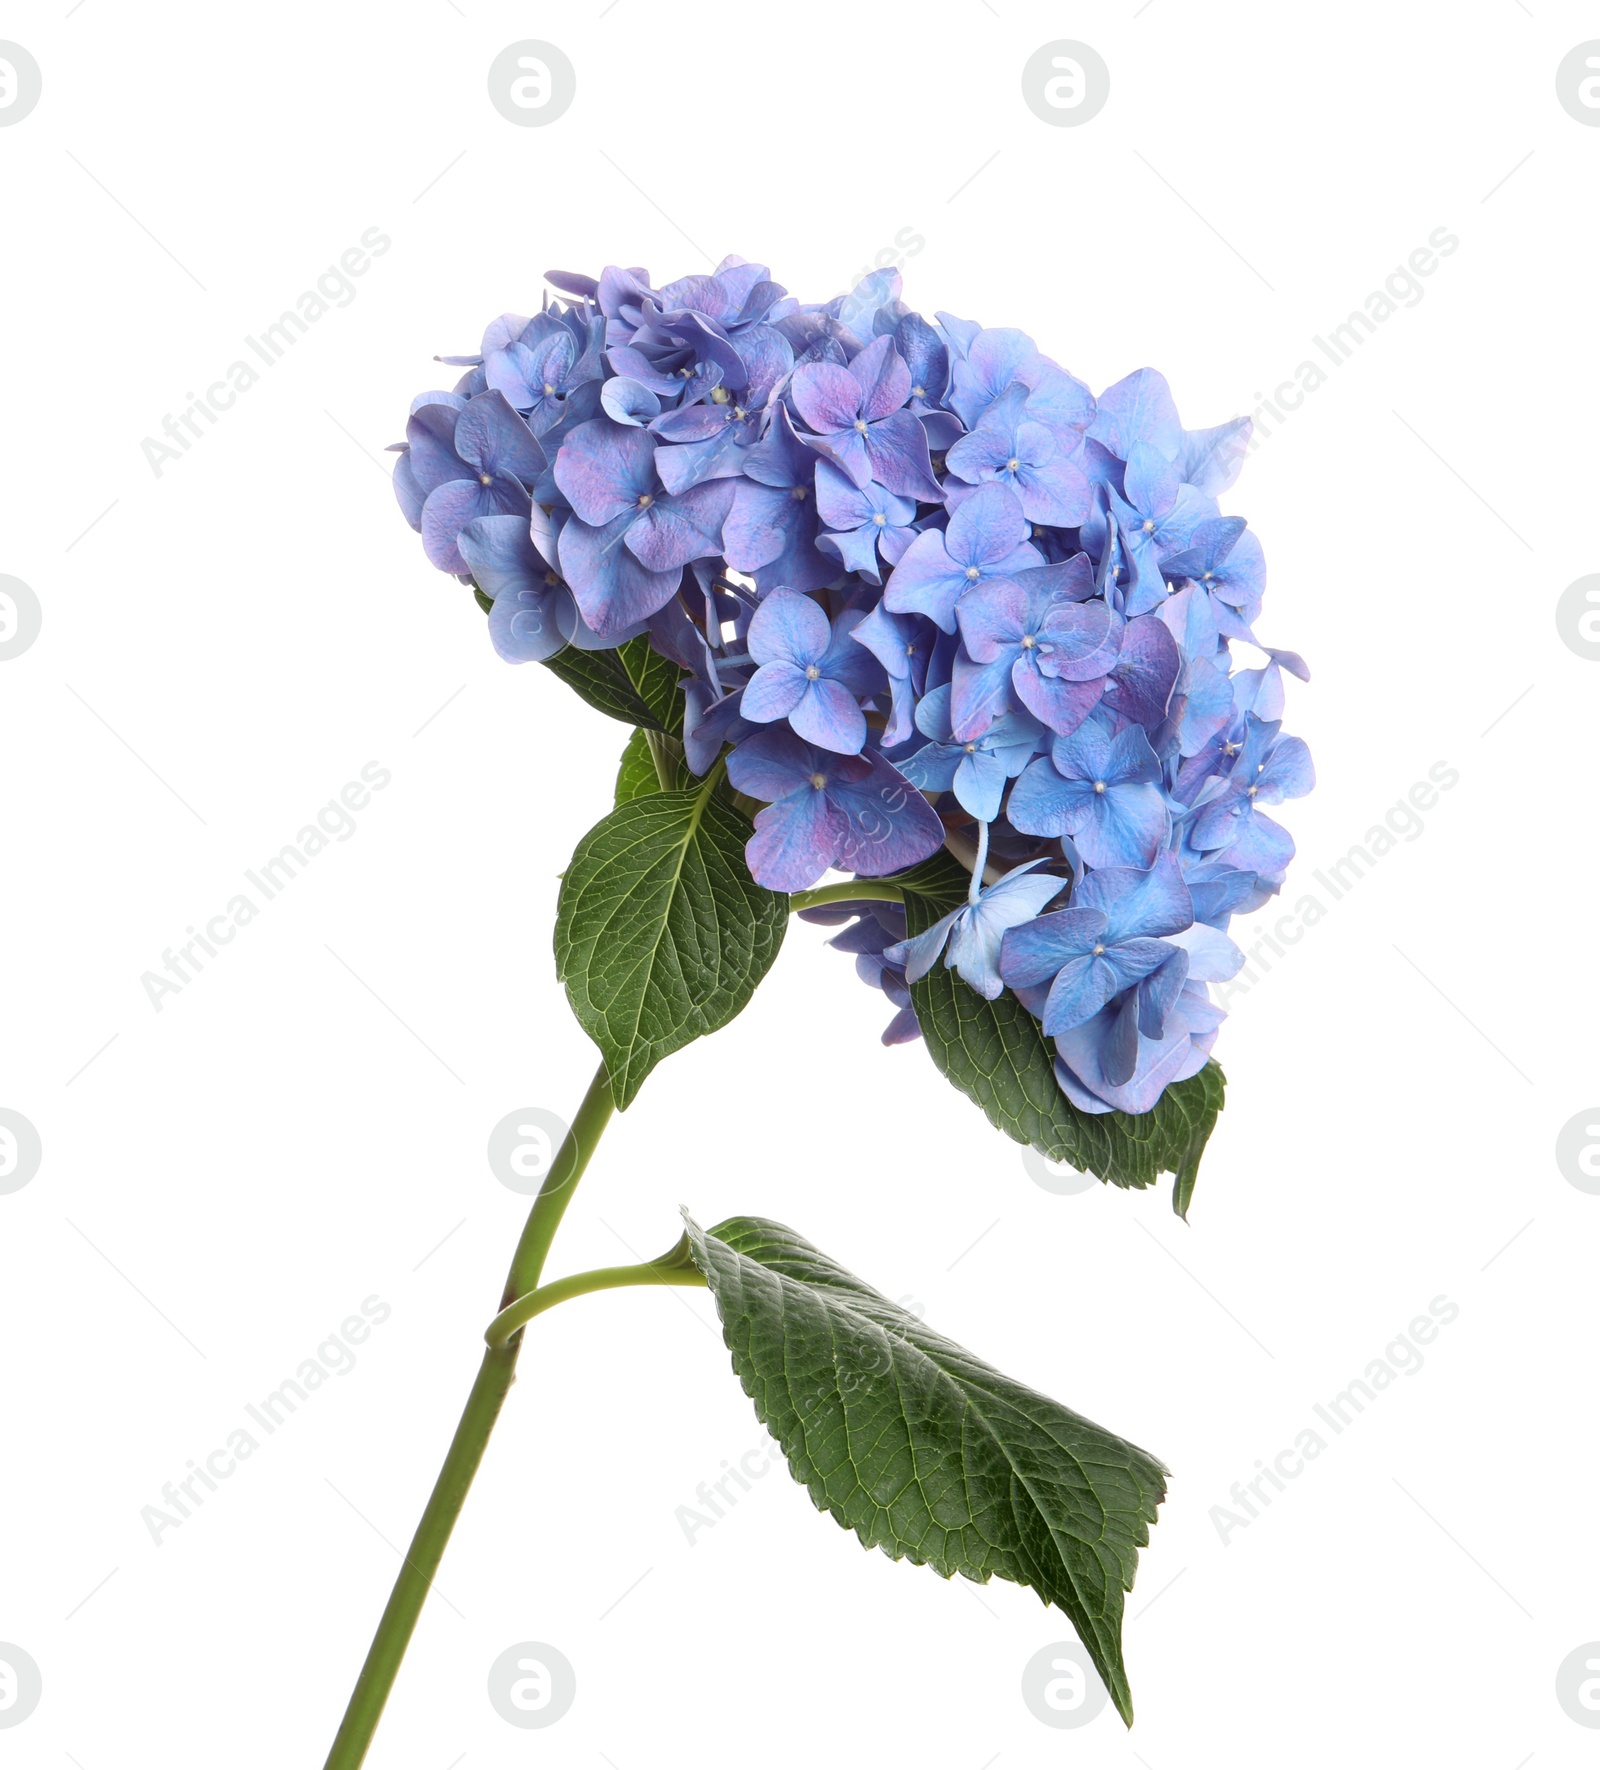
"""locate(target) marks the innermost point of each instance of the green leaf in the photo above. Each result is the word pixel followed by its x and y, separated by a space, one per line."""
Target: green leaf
pixel 1190 1110
pixel 661 933
pixel 645 754
pixel 655 680
pixel 997 1054
pixel 636 773
pixel 633 683
pixel 921 1449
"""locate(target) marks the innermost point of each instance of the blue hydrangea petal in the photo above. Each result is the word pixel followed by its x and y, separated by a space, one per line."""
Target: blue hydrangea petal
pixel 1159 991
pixel 452 506
pixel 674 530
pixel 1043 803
pixel 979 783
pixel 1126 826
pixel 774 692
pixel 788 626
pixel 1139 408
pixel 827 397
pixel 492 438
pixel 1063 706
pixel 828 716
pixel 613 588
pixel 605 468
pixel 891 826
pixel 1034 952
pixel 885 382
pixel 625 401
pixel 1140 902
pixel 898 457
pixel 796 840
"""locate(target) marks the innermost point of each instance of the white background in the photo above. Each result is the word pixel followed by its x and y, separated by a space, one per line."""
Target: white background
pixel 304 1124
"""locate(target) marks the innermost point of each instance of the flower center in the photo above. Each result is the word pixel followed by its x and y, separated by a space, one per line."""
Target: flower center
pixel 819 781
pixel 486 479
pixel 879 518
pixel 971 749
pixel 549 387
pixel 1098 951
pixel 720 395
pixel 812 673
pixel 1149 526
pixel 645 500
pixel 1099 786
pixel 861 425
pixel 1027 642
pixel 798 492
pixel 1013 464
pixel 919 393
pixel 973 574
pixel 1251 791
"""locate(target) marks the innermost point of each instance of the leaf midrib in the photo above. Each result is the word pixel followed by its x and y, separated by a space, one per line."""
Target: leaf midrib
pixel 702 799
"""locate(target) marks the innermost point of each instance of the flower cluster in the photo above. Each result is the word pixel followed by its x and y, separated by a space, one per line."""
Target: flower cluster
pixel 924 590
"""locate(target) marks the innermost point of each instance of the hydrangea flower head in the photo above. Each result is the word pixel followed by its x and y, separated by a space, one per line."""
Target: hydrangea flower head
pixel 920 589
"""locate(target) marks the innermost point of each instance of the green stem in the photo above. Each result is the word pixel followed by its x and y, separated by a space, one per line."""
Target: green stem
pixel 603 1278
pixel 667 755
pixel 495 1377
pixel 880 890
pixel 594 1114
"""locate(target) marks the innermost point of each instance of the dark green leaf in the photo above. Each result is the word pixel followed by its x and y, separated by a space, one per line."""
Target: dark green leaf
pixel 661 933
pixel 997 1054
pixel 655 680
pixel 633 683
pixel 636 773
pixel 921 1449
pixel 1191 1110
pixel 651 760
